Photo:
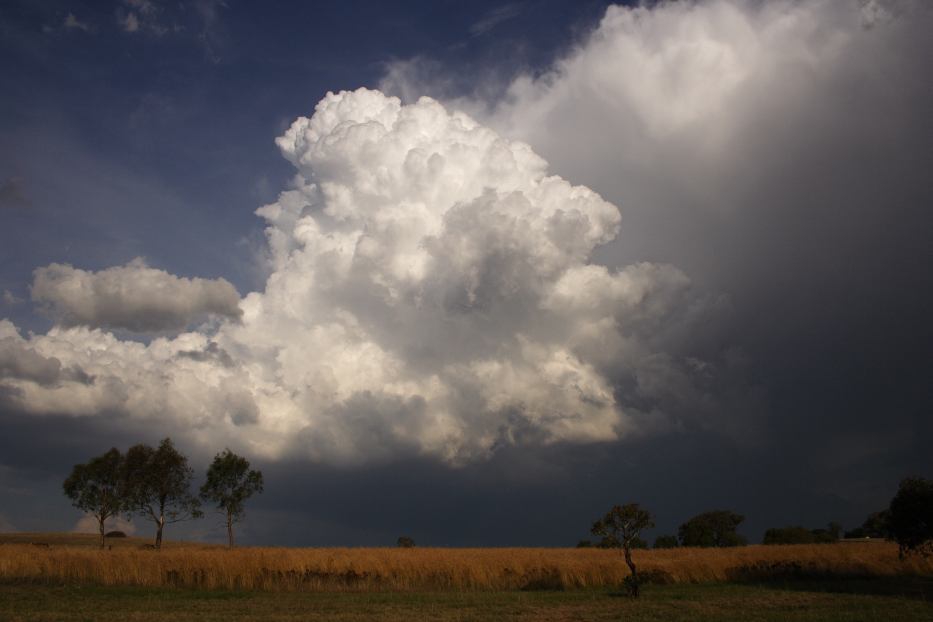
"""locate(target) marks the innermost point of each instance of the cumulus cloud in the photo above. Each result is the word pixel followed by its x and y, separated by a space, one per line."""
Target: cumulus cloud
pixel 133 297
pixel 430 293
pixel 19 361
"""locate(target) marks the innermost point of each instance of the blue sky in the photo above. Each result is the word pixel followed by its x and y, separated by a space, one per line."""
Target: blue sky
pixel 677 254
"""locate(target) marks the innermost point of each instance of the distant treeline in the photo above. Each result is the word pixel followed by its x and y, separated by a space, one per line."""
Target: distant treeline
pixel 908 520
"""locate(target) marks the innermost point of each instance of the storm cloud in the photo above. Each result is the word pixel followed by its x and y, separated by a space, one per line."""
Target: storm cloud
pixel 777 153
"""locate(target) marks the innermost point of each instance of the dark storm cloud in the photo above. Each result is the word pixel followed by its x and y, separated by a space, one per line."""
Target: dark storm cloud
pixel 782 162
pixel 545 496
pixel 788 172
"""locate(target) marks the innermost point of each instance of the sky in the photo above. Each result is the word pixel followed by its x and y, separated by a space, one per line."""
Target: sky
pixel 470 272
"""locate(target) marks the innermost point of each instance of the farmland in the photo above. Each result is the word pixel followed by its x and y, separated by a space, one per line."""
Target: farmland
pixel 70 579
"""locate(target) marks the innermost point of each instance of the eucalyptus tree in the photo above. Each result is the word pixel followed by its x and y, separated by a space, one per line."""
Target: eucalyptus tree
pixel 622 526
pixel 98 487
pixel 158 486
pixel 230 482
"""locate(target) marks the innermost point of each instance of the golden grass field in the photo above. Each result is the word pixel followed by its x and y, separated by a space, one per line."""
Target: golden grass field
pixel 69 559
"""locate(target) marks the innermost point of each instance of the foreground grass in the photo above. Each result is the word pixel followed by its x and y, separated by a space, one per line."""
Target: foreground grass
pixel 865 599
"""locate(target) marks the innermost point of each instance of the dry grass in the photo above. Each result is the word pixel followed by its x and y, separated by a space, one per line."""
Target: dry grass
pixel 393 569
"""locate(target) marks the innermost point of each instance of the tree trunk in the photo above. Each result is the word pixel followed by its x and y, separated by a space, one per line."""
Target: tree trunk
pixel 100 522
pixel 230 530
pixel 159 526
pixel 631 566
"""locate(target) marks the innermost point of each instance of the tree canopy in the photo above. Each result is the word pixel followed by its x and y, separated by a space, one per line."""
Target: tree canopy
pixel 230 482
pixel 716 528
pixel 98 487
pixel 158 486
pixel 910 516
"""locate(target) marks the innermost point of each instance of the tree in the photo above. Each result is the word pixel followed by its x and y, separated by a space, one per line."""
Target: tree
pixel 159 486
pixel 405 542
pixel 97 487
pixel 876 525
pixel 910 516
pixel 623 524
pixel 716 528
pixel 230 482
pixel 665 542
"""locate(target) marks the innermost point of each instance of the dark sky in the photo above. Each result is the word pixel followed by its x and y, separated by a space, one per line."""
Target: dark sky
pixel 451 349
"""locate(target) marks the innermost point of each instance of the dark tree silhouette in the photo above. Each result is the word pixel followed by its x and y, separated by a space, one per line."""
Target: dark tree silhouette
pixel 230 482
pixel 623 524
pixel 716 528
pixel 405 542
pixel 910 516
pixel 98 487
pixel 159 486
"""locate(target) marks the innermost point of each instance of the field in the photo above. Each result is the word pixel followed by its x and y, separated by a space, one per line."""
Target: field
pixel 71 580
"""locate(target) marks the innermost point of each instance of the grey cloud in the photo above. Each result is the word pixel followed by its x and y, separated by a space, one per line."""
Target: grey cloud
pixel 21 363
pixel 212 353
pixel 133 297
pixel 240 407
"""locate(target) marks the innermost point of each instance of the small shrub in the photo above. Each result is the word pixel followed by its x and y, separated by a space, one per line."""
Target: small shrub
pixel 115 534
pixel 405 542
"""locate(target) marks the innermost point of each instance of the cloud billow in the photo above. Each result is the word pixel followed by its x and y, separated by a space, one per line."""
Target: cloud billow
pixel 133 297
pixel 430 293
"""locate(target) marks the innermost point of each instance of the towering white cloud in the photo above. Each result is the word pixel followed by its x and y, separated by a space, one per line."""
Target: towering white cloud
pixel 431 293
pixel 133 297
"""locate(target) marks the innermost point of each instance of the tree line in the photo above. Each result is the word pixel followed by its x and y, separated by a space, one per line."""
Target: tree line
pixel 908 520
pixel 155 484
